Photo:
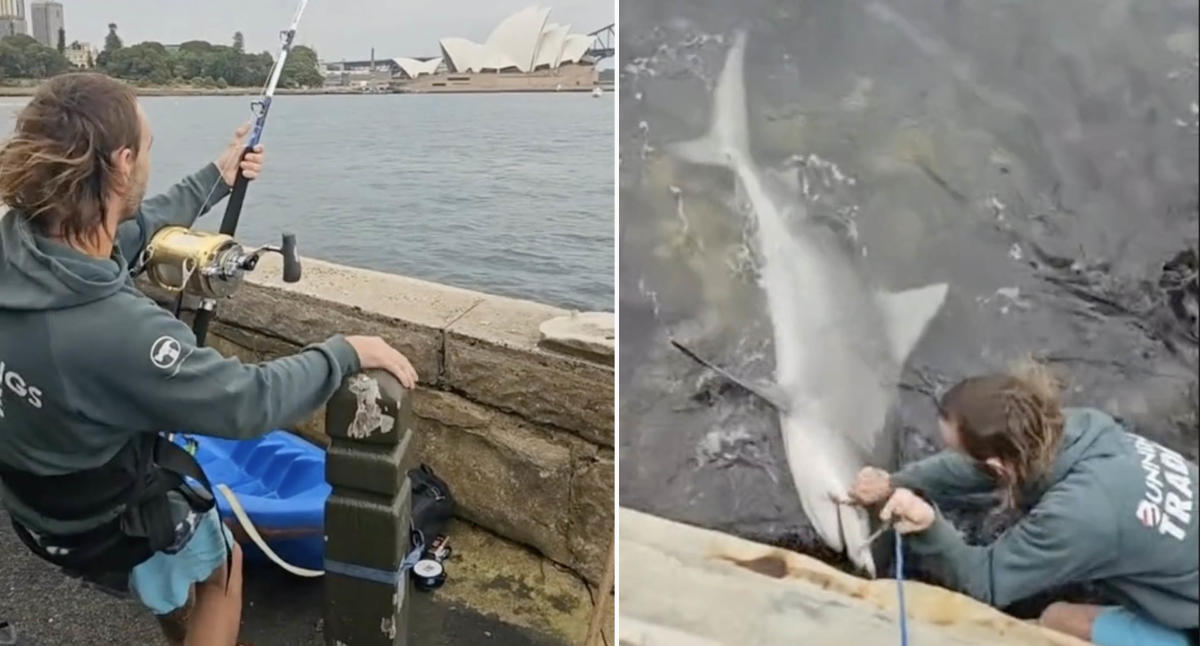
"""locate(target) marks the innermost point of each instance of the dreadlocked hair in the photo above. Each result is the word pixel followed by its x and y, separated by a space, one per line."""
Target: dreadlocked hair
pixel 1015 417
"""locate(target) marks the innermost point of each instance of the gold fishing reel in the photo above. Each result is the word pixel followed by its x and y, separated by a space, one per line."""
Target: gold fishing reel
pixel 209 265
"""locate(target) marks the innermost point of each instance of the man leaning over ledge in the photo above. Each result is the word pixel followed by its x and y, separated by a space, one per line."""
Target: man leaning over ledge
pixel 92 370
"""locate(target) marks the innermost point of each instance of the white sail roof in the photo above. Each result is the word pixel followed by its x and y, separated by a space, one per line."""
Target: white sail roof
pixel 550 45
pixel 574 48
pixel 462 55
pixel 523 41
pixel 414 68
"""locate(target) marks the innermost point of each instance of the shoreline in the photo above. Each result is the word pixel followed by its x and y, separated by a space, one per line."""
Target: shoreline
pixel 29 90
pixel 161 90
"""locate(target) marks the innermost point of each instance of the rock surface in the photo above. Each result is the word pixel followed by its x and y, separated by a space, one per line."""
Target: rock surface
pixel 686 586
pixel 492 356
pixel 592 333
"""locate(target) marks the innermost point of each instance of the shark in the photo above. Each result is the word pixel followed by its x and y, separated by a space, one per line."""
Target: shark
pixel 840 344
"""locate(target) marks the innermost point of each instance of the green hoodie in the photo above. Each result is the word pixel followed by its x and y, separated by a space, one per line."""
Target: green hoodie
pixel 1118 510
pixel 87 361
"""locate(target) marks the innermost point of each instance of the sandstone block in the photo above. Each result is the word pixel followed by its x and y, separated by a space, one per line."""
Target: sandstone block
pixel 686 585
pixel 591 334
pixel 492 356
pixel 506 475
pixel 591 520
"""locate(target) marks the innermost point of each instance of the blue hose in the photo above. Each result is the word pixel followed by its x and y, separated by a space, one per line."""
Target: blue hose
pixel 900 590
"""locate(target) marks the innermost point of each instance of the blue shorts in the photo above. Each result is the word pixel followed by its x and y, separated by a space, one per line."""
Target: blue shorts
pixel 1117 626
pixel 164 582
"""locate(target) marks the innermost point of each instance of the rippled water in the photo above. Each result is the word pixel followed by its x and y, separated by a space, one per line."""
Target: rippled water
pixel 506 193
pixel 1041 158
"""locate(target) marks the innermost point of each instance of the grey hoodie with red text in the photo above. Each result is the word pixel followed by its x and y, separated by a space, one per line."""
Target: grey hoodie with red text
pixel 1117 509
pixel 87 361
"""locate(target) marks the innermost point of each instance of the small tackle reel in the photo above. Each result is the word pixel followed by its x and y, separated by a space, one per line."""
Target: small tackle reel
pixel 430 572
pixel 209 265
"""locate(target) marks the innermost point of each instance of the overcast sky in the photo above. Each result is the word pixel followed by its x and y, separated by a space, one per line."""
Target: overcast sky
pixel 336 28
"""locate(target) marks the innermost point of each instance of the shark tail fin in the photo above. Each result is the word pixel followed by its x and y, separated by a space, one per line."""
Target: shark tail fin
pixel 907 314
pixel 728 134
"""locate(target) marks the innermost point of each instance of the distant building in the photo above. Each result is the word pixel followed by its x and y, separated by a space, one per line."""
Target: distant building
pixel 81 55
pixel 375 73
pixel 47 19
pixel 12 18
pixel 524 52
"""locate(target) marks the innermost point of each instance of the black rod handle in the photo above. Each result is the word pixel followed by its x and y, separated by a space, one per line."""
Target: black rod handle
pixel 204 316
pixel 233 210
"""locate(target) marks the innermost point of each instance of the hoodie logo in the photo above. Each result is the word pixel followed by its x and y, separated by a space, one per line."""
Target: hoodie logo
pixel 1167 503
pixel 165 352
pixel 14 383
pixel 1148 513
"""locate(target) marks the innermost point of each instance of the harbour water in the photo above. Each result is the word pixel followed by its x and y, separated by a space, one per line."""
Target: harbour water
pixel 1039 158
pixel 509 194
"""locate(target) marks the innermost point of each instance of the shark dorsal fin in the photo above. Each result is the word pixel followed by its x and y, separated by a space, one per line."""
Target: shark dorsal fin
pixel 906 315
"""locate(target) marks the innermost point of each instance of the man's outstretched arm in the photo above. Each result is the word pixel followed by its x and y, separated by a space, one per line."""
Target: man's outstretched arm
pixel 184 202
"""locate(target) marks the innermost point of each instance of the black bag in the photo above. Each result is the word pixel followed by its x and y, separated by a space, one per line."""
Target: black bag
pixel 432 503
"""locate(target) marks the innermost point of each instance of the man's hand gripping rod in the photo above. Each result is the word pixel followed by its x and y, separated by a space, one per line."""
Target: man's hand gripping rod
pixel 233 211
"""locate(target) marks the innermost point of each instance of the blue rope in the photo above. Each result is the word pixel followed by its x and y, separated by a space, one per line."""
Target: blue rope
pixel 900 589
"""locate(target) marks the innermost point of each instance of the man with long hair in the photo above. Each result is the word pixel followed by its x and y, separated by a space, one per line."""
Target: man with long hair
pixel 1100 504
pixel 92 371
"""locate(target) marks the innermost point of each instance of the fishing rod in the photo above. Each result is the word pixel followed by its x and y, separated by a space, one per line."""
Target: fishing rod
pixel 213 265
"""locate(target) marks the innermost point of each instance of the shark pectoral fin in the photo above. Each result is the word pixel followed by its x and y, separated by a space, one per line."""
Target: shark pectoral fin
pixel 906 315
pixel 770 393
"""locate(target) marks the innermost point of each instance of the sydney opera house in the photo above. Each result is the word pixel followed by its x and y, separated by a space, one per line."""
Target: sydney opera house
pixel 523 52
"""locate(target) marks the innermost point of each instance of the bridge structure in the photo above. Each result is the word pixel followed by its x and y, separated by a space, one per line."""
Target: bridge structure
pixel 604 43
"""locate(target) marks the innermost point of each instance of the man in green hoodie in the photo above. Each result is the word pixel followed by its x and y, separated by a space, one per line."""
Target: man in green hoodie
pixel 92 371
pixel 1101 505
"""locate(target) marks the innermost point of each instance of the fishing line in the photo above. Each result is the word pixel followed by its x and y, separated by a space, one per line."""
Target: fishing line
pixel 900 590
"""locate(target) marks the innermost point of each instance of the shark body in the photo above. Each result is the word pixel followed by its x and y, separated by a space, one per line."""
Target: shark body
pixel 839 345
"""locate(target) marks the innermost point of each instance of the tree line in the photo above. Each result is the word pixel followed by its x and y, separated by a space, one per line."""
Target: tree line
pixel 196 62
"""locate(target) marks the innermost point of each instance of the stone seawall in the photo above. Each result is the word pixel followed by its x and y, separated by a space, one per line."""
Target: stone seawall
pixel 522 432
pixel 687 586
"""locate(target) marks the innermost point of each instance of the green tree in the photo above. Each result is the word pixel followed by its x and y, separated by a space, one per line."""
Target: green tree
pixel 302 69
pixel 112 43
pixel 23 57
pixel 258 68
pixel 12 59
pixel 196 47
pixel 62 40
pixel 144 62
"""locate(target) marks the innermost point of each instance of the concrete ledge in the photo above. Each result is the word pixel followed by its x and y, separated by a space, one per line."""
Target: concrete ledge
pixel 683 585
pixel 481 345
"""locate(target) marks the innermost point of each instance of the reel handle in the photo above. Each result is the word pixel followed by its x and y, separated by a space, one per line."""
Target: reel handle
pixel 291 262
